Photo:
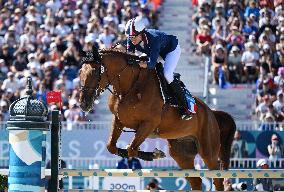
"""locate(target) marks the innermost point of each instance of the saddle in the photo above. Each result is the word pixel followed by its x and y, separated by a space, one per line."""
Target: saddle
pixel 167 94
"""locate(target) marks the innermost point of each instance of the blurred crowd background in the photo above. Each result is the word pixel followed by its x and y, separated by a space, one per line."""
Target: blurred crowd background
pixel 43 39
pixel 245 41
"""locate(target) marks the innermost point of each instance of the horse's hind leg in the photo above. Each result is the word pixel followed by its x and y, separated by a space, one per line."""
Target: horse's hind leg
pixel 184 153
pixel 213 164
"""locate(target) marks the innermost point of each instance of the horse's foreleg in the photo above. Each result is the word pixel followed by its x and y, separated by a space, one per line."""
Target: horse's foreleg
pixel 116 130
pixel 143 131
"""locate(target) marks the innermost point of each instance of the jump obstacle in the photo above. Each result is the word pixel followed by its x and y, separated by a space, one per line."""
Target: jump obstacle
pixel 27 139
pixel 248 173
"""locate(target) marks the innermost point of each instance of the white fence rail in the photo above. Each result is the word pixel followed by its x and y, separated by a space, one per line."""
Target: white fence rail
pixel 162 163
pixel 168 162
pixel 241 125
pixel 206 79
pixel 112 162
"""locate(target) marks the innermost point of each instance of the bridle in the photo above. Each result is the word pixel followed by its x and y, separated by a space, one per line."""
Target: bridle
pixel 98 73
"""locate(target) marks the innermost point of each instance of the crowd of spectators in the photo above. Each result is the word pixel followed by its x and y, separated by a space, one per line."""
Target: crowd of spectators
pixel 43 39
pixel 245 40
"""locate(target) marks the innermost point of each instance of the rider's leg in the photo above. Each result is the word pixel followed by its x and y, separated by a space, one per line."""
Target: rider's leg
pixel 170 64
pixel 171 61
pixel 182 102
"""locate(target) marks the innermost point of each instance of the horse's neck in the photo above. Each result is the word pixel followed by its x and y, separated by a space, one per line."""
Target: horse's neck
pixel 122 76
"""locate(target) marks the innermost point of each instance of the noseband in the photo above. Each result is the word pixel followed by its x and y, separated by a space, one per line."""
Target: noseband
pixel 97 75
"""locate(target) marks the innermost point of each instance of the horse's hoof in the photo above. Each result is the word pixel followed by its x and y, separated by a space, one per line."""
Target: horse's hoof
pixel 158 154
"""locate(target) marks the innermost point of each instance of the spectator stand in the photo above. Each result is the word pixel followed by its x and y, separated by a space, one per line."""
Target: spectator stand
pixel 243 41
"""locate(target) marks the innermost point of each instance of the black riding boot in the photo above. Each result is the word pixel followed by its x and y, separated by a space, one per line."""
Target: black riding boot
pixel 181 99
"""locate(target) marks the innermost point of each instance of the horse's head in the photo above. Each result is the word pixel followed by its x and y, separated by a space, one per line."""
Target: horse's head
pixel 99 70
pixel 90 77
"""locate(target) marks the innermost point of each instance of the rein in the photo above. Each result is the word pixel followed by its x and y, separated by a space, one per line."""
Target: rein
pixel 115 93
pixel 110 81
pixel 98 73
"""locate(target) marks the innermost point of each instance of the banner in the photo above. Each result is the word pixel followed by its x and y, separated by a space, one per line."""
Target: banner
pixel 121 183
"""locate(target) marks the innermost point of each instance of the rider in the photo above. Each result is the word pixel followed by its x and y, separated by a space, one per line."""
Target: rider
pixel 155 43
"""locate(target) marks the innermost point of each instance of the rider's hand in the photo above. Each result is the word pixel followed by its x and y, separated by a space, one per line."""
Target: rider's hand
pixel 143 65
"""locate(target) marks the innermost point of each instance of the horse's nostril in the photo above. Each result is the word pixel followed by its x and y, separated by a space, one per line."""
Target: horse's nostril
pixel 86 103
pixel 83 106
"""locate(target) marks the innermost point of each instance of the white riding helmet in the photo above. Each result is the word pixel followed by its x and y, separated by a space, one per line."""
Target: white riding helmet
pixel 134 26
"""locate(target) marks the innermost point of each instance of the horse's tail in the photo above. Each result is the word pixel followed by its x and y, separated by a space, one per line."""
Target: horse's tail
pixel 227 128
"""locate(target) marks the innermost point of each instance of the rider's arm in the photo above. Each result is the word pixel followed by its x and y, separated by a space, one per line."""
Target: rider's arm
pixel 153 56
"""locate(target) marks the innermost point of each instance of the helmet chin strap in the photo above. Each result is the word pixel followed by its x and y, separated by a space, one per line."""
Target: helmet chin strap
pixel 142 37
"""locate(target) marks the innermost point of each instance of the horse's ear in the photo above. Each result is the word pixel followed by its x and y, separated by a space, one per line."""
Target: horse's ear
pixel 90 56
pixel 95 50
pixel 82 53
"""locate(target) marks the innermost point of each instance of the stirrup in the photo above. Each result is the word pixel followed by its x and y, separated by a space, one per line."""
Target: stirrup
pixel 186 117
pixel 186 114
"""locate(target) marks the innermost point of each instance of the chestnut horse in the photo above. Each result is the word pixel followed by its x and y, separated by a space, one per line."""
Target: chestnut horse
pixel 209 133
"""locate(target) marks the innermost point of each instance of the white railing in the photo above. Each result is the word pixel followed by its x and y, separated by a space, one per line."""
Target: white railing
pixel 241 125
pixel 85 125
pixel 206 79
pixel 111 162
pixel 251 162
pixel 89 182
pixel 74 125
pixel 259 126
pixel 167 162
pixel 85 162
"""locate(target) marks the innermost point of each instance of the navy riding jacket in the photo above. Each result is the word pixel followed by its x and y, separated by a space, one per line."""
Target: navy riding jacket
pixel 156 43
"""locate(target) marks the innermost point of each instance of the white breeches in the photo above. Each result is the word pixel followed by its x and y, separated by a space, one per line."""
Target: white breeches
pixel 170 64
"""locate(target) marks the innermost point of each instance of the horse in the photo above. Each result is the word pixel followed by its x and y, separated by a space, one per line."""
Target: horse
pixel 136 102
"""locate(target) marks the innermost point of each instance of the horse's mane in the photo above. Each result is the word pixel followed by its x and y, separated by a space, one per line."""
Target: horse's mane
pixel 117 52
